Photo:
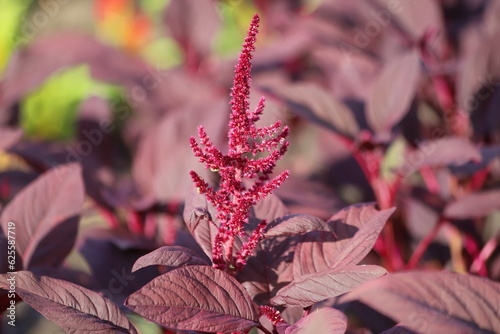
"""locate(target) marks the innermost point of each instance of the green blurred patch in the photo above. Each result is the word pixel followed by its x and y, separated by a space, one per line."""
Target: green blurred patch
pixel 50 111
pixel 393 159
pixel 144 326
pixel 11 13
pixel 236 16
pixel 163 53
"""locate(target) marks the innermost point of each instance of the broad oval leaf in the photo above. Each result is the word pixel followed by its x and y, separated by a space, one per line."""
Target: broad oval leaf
pixel 393 92
pixel 171 256
pixel 435 302
pixel 269 269
pixel 355 231
pixel 71 306
pixel 323 321
pixel 441 152
pixel 46 214
pixel 295 225
pixel 199 298
pixel 317 105
pixel 193 24
pixel 332 282
pixel 488 154
pixel 473 205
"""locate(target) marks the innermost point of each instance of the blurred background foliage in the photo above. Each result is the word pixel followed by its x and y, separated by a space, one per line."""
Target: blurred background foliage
pixel 133 26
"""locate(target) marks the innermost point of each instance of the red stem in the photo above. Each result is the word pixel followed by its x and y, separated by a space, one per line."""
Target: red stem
pixel 479 264
pixel 424 244
pixel 134 222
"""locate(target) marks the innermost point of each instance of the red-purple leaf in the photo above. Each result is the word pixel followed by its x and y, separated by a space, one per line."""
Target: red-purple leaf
pixel 197 298
pixel 200 217
pixel 315 287
pixel 435 302
pixel 172 256
pixel 355 230
pixel 393 92
pixel 270 208
pixel 317 105
pixel 441 152
pixel 473 205
pixel 399 329
pixel 71 306
pixel 9 136
pixel 165 176
pixel 295 225
pixel 193 23
pixel 46 215
pixel 488 154
pixel 361 244
pixel 269 269
pixel 326 320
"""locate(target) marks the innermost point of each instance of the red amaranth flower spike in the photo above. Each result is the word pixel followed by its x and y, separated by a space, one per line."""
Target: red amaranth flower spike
pixel 244 179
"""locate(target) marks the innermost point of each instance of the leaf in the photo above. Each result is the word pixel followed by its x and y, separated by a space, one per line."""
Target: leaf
pixel 71 306
pixel 46 214
pixel 172 256
pixel 199 216
pixel 9 137
pixel 323 321
pixel 331 282
pixel 488 154
pixel 166 176
pixel 269 269
pixel 197 298
pixel 361 244
pixel 441 152
pixel 270 208
pixel 295 225
pixel 393 92
pixel 473 205
pixel 435 302
pixel 355 230
pixel 399 329
pixel 193 24
pixel 317 105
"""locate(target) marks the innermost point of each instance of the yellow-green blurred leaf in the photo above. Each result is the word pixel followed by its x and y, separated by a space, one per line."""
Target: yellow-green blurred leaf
pixel 50 111
pixel 11 13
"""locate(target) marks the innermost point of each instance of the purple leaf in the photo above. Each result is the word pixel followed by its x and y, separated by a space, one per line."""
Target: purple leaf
pixel 197 298
pixel 270 208
pixel 361 244
pixel 46 215
pixel 199 216
pixel 319 106
pixel 355 230
pixel 393 92
pixel 8 137
pixel 488 154
pixel 315 252
pixel 193 24
pixel 435 302
pixel 71 306
pixel 399 329
pixel 326 320
pixel 166 176
pixel 172 256
pixel 331 282
pixel 441 152
pixel 295 225
pixel 269 269
pixel 473 205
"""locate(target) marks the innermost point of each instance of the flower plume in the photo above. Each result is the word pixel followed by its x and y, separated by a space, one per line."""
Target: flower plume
pixel 245 171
